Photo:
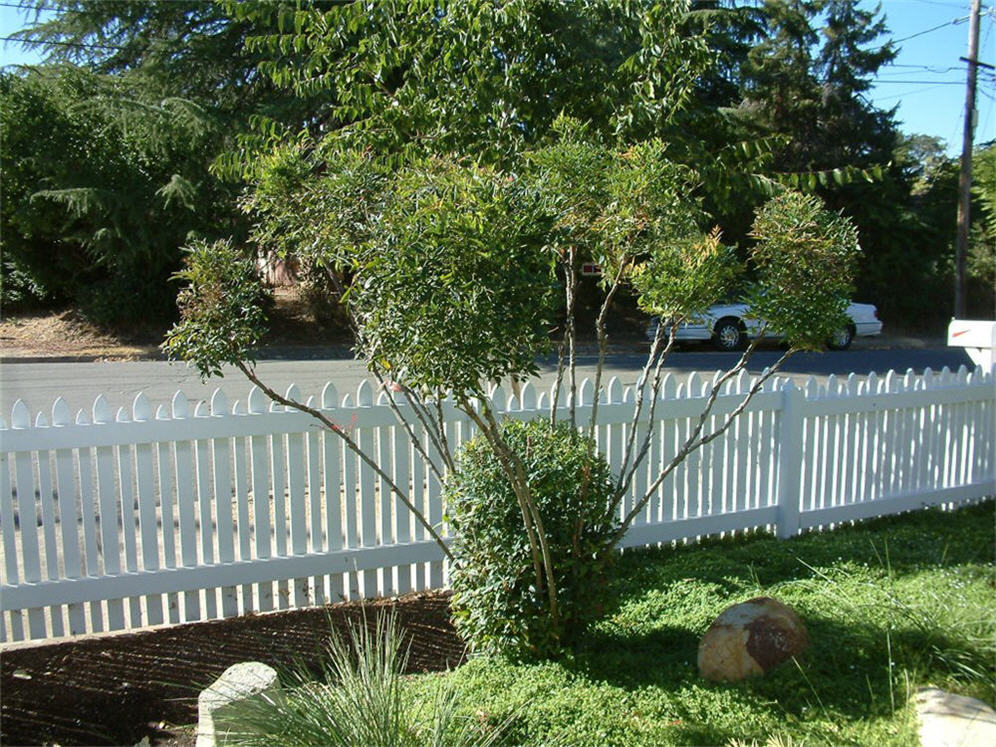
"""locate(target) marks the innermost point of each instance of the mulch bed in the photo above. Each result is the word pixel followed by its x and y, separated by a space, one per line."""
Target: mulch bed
pixel 120 688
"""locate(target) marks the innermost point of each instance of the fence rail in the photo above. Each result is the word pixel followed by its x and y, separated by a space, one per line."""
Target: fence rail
pixel 196 511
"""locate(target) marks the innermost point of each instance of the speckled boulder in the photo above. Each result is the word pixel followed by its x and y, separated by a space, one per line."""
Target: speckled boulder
pixel 750 639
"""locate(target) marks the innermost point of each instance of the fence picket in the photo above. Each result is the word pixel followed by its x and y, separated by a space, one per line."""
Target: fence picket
pixel 69 520
pixel 315 526
pixel 127 502
pixel 184 466
pixel 10 544
pixel 110 544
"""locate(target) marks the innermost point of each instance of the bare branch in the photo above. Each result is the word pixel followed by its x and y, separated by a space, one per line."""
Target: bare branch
pixel 626 478
pixel 530 504
pixel 693 441
pixel 505 459
pixel 416 442
pixel 603 343
pixel 352 445
pixel 572 353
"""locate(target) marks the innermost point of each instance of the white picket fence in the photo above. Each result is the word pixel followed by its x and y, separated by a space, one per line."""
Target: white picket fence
pixel 193 513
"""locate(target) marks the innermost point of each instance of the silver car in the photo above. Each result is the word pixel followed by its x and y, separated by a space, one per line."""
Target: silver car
pixel 730 325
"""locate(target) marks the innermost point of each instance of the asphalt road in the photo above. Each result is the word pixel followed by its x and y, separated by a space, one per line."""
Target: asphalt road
pixel 38 383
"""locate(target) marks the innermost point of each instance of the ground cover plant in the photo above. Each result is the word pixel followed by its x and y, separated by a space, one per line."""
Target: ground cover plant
pixel 890 606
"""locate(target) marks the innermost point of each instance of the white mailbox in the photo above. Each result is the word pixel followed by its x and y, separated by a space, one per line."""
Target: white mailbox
pixel 979 339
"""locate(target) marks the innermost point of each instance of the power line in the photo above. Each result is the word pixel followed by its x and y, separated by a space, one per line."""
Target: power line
pixel 953 22
pixel 923 82
pixel 904 94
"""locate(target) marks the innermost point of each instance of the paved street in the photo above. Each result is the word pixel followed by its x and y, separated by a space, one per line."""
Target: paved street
pixel 39 384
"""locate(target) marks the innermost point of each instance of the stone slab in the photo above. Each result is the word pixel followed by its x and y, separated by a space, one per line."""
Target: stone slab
pixel 948 720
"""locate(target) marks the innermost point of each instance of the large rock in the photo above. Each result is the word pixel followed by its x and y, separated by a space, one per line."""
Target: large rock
pixel 750 639
pixel 218 703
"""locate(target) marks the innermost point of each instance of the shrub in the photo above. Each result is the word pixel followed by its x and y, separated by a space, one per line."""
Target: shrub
pixel 498 606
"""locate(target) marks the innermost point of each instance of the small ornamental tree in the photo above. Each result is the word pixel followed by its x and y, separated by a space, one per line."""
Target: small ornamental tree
pixel 451 274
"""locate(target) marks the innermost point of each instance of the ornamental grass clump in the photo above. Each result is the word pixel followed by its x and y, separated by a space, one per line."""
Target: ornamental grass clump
pixel 360 699
pixel 497 605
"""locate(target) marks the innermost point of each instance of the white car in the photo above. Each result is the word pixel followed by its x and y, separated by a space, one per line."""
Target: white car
pixel 730 325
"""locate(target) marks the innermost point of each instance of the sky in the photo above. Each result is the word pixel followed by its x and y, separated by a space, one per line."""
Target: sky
pixel 926 81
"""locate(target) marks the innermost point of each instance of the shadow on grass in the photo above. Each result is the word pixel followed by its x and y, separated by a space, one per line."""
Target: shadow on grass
pixel 858 652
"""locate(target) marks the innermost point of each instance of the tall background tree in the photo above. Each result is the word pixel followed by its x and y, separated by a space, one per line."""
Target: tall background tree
pixel 755 96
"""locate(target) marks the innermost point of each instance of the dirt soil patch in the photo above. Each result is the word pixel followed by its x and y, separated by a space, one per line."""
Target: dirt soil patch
pixel 118 689
pixel 293 320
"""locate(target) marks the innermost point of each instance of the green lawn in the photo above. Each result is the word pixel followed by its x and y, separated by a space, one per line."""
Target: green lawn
pixel 890 605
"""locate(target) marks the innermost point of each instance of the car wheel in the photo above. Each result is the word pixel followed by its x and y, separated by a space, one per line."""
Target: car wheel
pixel 841 339
pixel 727 335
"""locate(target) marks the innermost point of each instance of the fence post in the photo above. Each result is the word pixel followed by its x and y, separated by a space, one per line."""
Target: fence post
pixel 789 460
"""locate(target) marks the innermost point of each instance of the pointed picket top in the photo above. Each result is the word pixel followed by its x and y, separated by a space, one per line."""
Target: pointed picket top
pixel 812 388
pixel 141 409
pixel 873 383
pixel 82 418
pixel 693 384
pixel 586 392
pixel 239 408
pixel 909 380
pixel 330 397
pixel 256 401
pixel 162 413
pixel 61 414
pixel 976 375
pixel 20 415
pixel 543 401
pixel 852 385
pixel 310 402
pixel 527 396
pixel 891 383
pixel 41 421
pixel 181 406
pixel 499 398
pixel 347 400
pixel 928 378
pixel 201 411
pixel 293 393
pixel 962 374
pixel 743 382
pixel 769 385
pixel 382 398
pixel 364 394
pixel 669 385
pixel 276 407
pixel 832 386
pixel 219 403
pixel 101 410
pixel 629 395
pixel 122 416
pixel 944 378
pixel 613 392
pixel 680 391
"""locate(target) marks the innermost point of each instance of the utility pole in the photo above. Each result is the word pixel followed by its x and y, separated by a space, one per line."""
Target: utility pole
pixel 965 180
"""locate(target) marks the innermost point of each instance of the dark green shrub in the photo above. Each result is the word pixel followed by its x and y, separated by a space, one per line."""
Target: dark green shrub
pixel 498 607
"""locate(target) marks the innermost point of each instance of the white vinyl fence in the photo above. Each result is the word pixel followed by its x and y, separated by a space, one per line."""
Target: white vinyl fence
pixel 198 511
